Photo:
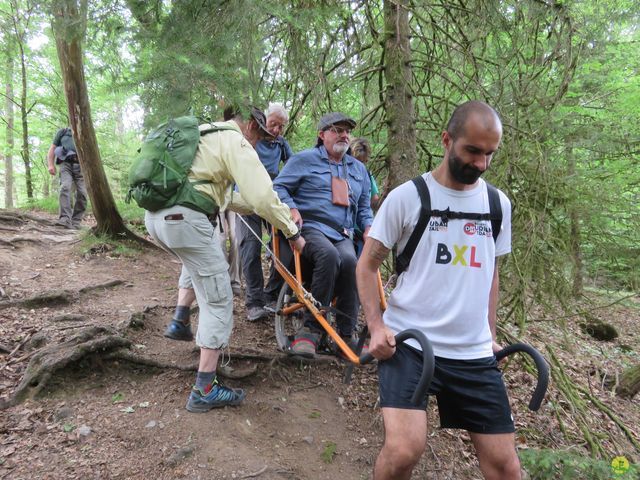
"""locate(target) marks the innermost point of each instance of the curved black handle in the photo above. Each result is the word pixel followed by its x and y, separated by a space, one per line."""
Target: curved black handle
pixel 428 362
pixel 541 366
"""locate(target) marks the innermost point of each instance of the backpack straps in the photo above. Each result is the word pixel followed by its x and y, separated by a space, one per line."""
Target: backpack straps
pixel 403 260
pixel 495 210
pixel 494 215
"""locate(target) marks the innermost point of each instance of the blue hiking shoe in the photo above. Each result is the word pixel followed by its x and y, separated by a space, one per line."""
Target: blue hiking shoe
pixel 218 396
pixel 178 331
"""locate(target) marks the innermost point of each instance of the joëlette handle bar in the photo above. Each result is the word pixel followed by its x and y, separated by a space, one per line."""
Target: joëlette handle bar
pixel 428 362
pixel 541 366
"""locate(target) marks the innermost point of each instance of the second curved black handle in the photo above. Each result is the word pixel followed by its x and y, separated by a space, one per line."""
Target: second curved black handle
pixel 428 362
pixel 541 366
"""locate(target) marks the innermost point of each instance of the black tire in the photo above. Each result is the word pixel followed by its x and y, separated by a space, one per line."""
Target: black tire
pixel 286 326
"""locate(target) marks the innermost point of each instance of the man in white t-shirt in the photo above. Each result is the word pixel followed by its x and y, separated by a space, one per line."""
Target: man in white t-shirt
pixel 449 292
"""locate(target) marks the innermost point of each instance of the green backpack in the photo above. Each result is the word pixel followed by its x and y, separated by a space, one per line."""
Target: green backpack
pixel 158 177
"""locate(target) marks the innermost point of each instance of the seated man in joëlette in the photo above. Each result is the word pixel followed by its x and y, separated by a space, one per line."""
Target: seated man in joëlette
pixel 328 193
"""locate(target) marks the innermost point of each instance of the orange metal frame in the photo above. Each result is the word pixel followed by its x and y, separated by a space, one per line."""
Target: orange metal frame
pixel 296 285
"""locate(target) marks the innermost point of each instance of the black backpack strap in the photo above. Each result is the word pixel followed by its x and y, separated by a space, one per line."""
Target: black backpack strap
pixel 403 260
pixel 495 210
pixel 306 215
pixel 215 128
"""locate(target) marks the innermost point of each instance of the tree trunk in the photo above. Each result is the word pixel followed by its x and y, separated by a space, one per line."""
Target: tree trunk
pixel 629 384
pixel 9 116
pixel 401 145
pixel 69 25
pixel 24 111
pixel 576 251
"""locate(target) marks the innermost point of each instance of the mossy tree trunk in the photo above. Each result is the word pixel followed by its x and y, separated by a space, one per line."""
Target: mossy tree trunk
pixel 401 145
pixel 629 382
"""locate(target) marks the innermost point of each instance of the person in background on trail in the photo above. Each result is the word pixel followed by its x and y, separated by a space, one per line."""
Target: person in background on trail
pixel 63 152
pixel 449 292
pixel 272 152
pixel 361 149
pixel 328 193
pixel 224 158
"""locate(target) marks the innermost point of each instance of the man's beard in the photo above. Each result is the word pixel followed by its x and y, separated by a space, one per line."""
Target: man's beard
pixel 461 173
pixel 340 148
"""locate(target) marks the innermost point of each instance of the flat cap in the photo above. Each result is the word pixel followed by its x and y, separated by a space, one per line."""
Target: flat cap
pixel 335 117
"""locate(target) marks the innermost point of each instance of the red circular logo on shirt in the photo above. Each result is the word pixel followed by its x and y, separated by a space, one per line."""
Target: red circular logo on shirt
pixel 470 228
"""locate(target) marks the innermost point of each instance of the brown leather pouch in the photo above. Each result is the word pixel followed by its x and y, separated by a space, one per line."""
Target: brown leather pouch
pixel 339 191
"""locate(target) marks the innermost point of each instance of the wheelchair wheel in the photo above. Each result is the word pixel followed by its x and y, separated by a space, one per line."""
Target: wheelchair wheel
pixel 286 326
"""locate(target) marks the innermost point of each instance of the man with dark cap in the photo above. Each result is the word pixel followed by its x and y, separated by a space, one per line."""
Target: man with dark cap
pixel 63 152
pixel 328 193
pixel 224 157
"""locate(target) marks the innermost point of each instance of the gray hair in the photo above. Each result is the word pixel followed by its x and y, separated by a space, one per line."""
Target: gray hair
pixel 278 109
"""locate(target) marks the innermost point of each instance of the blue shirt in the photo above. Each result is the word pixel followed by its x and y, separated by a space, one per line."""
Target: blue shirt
pixel 305 183
pixel 271 152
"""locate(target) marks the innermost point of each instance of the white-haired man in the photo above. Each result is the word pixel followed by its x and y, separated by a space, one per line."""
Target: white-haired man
pixel 272 152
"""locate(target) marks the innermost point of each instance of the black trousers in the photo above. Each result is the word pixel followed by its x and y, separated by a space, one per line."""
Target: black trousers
pixel 333 275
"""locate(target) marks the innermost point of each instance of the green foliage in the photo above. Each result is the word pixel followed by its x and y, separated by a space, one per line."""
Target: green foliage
pixel 329 452
pixel 46 204
pixel 68 427
pixel 92 244
pixel 562 465
pixel 117 397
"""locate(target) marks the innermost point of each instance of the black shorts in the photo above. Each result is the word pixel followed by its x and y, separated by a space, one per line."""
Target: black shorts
pixel 471 393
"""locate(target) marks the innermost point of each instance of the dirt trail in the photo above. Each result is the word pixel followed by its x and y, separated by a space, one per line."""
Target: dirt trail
pixel 105 418
pixel 116 419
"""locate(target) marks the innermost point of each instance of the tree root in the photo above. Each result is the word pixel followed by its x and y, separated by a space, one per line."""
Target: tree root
pixel 15 240
pixel 223 370
pixel 45 299
pixel 109 284
pixel 15 217
pixel 45 362
pixel 56 297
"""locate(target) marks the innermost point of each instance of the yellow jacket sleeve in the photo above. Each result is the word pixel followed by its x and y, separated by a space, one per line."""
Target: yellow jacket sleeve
pixel 254 184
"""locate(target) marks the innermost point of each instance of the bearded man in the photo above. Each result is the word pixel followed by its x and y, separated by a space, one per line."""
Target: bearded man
pixel 448 291
pixel 328 193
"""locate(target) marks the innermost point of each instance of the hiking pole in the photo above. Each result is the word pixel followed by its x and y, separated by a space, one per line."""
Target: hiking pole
pixel 541 366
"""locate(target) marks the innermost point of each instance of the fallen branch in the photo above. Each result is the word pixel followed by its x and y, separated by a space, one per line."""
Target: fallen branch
pixel 70 317
pixel 22 343
pixel 255 474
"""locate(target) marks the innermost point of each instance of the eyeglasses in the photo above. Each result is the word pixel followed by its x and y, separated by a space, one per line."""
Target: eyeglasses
pixel 340 130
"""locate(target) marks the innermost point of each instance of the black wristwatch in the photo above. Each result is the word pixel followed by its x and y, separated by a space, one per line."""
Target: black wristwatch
pixel 295 236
